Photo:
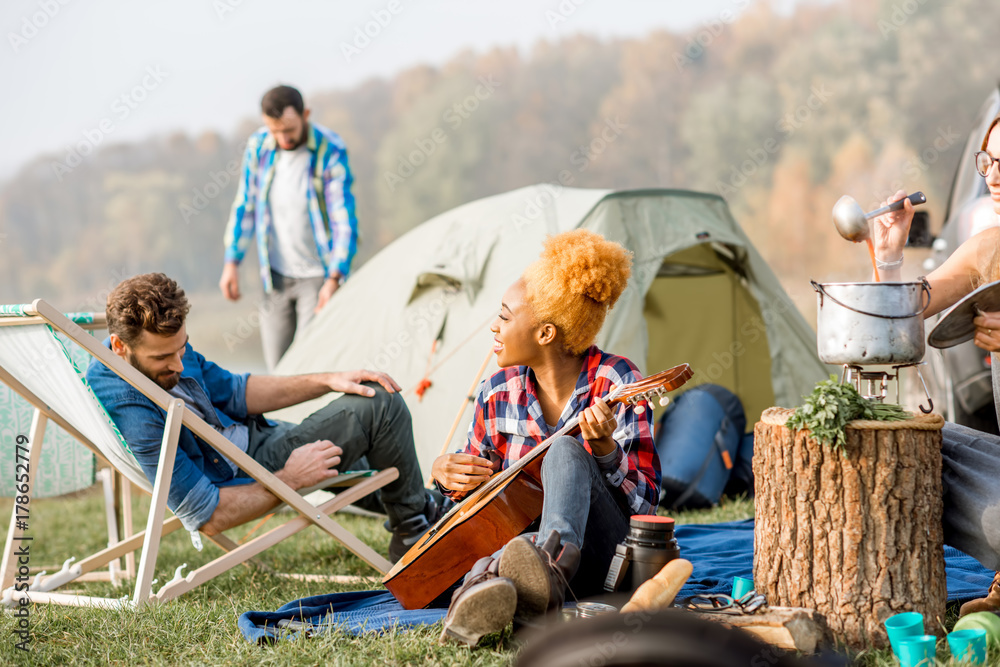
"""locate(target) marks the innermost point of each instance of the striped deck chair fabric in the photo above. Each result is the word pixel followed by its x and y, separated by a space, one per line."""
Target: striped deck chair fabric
pixel 36 363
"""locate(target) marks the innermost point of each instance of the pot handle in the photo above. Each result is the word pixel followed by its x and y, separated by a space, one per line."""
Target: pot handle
pixel 925 290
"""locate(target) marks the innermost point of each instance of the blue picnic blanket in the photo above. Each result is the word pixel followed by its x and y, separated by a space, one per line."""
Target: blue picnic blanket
pixel 718 553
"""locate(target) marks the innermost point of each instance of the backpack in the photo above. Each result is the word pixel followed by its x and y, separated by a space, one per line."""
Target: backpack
pixel 699 437
pixel 741 478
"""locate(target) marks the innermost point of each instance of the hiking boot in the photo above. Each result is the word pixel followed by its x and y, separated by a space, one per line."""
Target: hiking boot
pixel 989 603
pixel 540 574
pixel 482 605
pixel 405 535
pixel 408 532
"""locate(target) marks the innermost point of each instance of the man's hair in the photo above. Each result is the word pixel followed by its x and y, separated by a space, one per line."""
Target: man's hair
pixel 149 302
pixel 276 100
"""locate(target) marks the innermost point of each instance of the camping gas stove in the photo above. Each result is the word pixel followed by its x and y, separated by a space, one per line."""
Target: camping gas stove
pixel 873 324
pixel 874 385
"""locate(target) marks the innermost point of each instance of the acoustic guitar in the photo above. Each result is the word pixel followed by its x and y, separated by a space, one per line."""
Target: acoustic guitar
pixel 499 510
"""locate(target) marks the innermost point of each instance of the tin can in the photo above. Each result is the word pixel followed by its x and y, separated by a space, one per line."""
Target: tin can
pixel 592 609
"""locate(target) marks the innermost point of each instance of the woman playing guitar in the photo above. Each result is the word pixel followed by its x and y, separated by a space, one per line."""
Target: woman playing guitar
pixel 551 372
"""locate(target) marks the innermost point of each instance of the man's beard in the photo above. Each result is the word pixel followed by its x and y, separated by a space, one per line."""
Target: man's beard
pixel 302 137
pixel 165 380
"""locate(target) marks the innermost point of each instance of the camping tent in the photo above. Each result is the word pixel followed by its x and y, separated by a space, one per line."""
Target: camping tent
pixel 700 293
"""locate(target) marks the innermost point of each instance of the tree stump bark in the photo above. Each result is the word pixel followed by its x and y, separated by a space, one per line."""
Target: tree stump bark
pixel 855 535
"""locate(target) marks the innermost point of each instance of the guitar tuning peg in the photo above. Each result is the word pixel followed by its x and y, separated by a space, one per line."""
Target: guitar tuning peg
pixel 639 409
pixel 664 400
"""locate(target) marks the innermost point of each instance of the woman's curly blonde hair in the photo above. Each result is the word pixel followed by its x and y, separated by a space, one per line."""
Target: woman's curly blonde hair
pixel 574 283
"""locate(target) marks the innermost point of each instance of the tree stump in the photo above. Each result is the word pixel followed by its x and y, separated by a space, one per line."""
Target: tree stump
pixel 855 535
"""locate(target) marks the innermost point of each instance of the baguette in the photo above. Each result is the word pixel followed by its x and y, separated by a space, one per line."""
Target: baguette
pixel 660 591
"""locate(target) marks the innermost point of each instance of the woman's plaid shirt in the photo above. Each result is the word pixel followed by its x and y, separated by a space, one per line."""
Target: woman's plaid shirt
pixel 508 423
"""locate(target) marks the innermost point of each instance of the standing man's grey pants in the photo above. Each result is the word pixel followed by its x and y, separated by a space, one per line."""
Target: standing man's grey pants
pixel 283 312
pixel 971 483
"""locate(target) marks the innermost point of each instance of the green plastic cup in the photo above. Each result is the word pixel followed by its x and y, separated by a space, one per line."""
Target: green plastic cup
pixel 918 651
pixel 968 645
pixel 741 587
pixel 985 620
pixel 902 626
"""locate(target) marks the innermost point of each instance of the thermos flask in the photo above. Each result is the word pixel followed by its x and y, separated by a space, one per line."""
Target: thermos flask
pixel 648 546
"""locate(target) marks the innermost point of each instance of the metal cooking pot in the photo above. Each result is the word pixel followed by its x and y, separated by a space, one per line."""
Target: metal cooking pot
pixel 871 323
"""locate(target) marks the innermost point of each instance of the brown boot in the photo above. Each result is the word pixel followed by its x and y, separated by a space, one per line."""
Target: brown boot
pixel 989 603
pixel 483 604
pixel 540 574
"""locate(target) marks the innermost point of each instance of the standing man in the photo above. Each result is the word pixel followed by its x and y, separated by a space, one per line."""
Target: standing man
pixel 295 194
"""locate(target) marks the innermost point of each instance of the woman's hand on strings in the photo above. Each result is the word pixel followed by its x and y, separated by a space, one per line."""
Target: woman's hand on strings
pixel 597 424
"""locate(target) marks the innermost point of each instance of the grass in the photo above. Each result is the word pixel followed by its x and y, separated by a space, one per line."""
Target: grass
pixel 199 628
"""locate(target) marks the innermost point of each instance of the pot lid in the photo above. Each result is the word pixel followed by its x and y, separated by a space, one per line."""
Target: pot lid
pixel 956 325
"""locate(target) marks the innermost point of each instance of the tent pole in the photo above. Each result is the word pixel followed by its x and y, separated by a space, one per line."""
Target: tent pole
pixel 469 398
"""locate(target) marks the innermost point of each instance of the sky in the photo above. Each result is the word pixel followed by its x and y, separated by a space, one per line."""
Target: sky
pixel 95 72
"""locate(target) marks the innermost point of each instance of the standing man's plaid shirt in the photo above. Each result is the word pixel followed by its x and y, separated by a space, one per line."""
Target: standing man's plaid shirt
pixel 331 204
pixel 508 423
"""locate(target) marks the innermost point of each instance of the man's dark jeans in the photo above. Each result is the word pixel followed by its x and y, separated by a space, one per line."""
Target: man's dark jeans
pixel 377 428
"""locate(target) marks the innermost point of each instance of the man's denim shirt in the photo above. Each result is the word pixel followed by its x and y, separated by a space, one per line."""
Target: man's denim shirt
pixel 198 468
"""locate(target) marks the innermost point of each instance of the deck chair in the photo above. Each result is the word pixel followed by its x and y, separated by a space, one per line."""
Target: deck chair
pixel 34 364
pixel 66 466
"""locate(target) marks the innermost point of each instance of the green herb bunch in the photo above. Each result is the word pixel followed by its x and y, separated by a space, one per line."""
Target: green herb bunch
pixel 832 404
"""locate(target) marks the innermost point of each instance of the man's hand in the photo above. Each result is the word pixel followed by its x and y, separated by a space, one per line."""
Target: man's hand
pixel 306 466
pixel 349 382
pixel 327 290
pixel 461 472
pixel 311 464
pixel 230 281
pixel 891 229
pixel 597 423
pixel 987 331
pixel 266 393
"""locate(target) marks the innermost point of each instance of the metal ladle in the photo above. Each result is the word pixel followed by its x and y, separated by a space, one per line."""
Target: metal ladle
pixel 852 222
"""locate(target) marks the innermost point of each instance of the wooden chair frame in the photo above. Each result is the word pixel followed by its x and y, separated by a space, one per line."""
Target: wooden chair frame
pixel 157 526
